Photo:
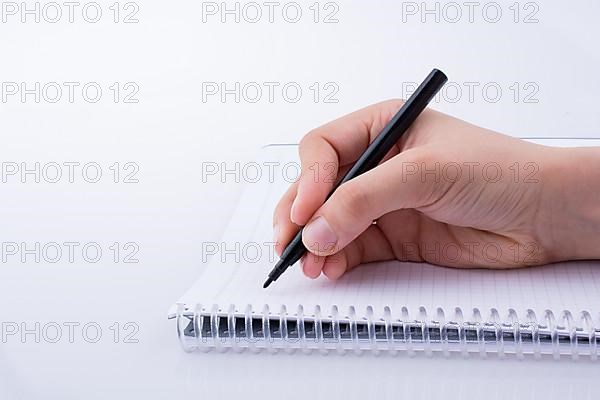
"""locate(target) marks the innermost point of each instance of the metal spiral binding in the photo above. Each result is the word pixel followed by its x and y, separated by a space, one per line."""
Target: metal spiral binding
pixel 208 328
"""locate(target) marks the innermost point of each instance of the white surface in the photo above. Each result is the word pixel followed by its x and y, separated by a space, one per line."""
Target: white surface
pixel 170 212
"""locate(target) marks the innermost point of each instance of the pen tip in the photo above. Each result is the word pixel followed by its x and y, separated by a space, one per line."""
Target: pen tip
pixel 267 283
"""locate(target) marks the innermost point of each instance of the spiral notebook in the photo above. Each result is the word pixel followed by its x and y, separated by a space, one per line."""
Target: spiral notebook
pixel 382 307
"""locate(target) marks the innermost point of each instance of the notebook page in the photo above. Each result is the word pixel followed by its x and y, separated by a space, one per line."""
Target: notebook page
pixel 236 274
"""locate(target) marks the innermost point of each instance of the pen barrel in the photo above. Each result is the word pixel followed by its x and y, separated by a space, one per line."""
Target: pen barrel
pixel 397 126
pixel 292 253
pixel 372 156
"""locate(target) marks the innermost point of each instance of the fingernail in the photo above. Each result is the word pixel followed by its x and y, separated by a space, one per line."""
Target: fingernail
pixel 303 266
pixel 292 210
pixel 319 233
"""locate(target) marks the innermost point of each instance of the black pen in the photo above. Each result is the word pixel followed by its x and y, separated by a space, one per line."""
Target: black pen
pixel 372 156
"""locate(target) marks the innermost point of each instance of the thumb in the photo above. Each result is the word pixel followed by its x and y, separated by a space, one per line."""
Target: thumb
pixel 353 207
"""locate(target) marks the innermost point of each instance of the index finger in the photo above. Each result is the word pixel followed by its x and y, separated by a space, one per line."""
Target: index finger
pixel 326 149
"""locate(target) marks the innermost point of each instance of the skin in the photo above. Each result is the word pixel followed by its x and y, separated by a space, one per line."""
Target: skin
pixel 449 193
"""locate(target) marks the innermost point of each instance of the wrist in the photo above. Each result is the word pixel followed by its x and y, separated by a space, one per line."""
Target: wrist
pixel 571 182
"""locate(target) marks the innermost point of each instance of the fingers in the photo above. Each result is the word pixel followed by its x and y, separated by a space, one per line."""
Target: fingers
pixel 324 150
pixel 409 235
pixel 354 205
pixel 312 265
pixel 370 246
pixel 283 229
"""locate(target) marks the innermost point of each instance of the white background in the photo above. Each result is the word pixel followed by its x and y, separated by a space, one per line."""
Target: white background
pixel 370 54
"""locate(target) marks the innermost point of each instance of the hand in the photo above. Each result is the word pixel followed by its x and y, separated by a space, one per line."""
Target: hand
pixel 449 193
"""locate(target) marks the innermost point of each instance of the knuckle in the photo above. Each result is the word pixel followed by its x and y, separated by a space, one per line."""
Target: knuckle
pixel 352 201
pixel 308 138
pixel 395 103
pixel 422 167
pixel 423 157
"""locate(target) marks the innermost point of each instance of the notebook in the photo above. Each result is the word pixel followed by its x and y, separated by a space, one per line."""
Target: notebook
pixel 382 307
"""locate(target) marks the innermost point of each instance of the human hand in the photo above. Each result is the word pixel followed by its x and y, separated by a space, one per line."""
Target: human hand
pixel 449 193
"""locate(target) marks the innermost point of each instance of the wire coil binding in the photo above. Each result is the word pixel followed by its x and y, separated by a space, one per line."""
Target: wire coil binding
pixel 208 328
